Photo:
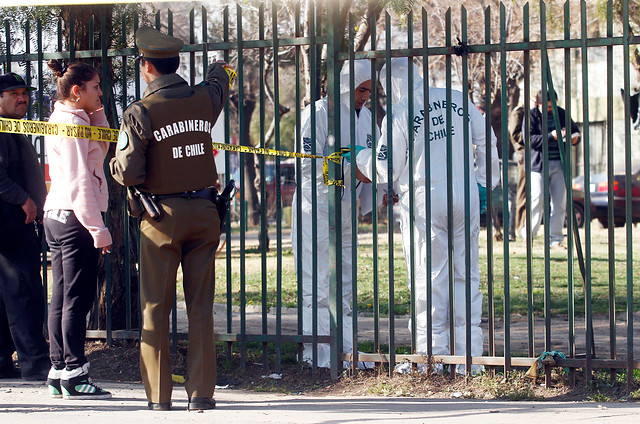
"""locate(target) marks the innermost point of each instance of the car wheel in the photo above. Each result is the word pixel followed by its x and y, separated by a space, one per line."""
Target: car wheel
pixel 579 210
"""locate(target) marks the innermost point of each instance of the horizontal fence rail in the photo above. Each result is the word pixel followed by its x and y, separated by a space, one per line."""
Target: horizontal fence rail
pixel 278 283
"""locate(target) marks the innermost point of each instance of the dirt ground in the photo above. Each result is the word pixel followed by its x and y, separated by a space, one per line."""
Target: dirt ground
pixel 119 363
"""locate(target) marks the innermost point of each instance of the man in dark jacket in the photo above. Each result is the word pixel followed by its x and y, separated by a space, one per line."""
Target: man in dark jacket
pixel 165 151
pixel 22 195
pixel 516 138
pixel 541 133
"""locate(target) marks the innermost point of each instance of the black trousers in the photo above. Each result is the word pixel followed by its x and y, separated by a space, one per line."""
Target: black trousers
pixel 22 305
pixel 74 265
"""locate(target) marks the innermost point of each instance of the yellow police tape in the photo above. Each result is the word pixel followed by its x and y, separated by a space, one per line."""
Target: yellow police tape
pixel 23 126
pixel 232 75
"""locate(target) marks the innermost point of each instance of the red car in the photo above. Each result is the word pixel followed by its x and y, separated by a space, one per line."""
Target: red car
pixel 598 189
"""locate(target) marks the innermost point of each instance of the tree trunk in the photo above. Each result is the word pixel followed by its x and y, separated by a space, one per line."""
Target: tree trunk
pixel 251 192
pixel 81 17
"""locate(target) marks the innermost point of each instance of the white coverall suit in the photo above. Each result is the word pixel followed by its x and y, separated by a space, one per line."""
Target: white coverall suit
pixel 364 137
pixel 437 115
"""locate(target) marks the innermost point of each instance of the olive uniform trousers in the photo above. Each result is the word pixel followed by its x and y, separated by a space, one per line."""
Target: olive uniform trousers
pixel 188 233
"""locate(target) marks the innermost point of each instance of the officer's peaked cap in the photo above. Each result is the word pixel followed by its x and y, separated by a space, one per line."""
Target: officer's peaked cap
pixel 155 45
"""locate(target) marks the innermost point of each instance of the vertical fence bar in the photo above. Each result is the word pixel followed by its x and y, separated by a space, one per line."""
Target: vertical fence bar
pixel 41 156
pixel 505 189
pixel 298 177
pixel 227 166
pixel 545 177
pixel 526 134
pixel 412 254
pixel 390 219
pixel 335 210
pixel 314 191
pixel 627 182
pixel 192 54
pixel 450 264
pixel 136 66
pixel 174 310
pixel 72 37
pixel 427 180
pixel 264 231
pixel 374 195
pixel 610 228
pixel 125 209
pixel 96 300
pixel 467 190
pixel 276 120
pixel 7 37
pixel 587 172
pixel 205 47
pixel 570 211
pixel 491 307
pixel 353 212
pixel 108 93
pixel 567 168
pixel 27 50
pixel 243 216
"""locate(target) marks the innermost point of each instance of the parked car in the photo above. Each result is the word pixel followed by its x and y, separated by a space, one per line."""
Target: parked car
pixel 598 190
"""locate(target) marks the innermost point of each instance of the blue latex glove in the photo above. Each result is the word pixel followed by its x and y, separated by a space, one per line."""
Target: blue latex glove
pixel 347 155
pixel 482 193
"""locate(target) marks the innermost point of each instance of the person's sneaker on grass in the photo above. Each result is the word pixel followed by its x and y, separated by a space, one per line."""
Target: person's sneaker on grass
pixel 76 384
pixel 53 382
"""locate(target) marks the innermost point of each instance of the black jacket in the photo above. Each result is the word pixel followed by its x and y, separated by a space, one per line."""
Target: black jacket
pixel 541 131
pixel 20 173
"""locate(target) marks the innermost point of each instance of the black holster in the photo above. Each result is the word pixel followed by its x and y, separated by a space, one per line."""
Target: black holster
pixel 223 201
pixel 149 204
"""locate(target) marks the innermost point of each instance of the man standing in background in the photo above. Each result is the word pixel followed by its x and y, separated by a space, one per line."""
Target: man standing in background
pixel 514 127
pixel 541 133
pixel 22 195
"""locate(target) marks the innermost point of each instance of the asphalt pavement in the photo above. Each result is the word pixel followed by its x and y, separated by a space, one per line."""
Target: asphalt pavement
pixel 27 402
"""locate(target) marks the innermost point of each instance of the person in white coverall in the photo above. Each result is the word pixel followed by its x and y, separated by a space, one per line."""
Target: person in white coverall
pixel 436 113
pixel 364 138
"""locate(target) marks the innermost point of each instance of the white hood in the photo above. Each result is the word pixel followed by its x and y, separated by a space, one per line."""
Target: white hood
pixel 399 79
pixel 362 73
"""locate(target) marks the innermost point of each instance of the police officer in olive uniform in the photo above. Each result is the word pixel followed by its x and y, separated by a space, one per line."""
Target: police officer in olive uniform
pixel 165 151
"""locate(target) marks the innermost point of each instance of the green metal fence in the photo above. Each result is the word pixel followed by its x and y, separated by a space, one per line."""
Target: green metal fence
pixel 249 43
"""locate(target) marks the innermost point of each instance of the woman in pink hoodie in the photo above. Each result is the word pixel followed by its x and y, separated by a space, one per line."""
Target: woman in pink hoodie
pixel 74 227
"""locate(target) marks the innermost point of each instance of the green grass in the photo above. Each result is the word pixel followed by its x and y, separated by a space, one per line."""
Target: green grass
pixel 254 278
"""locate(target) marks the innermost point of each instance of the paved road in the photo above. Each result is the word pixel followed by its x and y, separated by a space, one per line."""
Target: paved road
pixel 22 402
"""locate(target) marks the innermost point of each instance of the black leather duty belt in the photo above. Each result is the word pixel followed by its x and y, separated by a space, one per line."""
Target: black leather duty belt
pixel 208 193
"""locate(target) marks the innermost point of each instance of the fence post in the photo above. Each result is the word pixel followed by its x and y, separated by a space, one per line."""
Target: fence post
pixel 335 236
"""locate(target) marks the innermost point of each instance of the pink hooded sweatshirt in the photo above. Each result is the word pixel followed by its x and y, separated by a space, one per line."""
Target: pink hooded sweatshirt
pixel 76 168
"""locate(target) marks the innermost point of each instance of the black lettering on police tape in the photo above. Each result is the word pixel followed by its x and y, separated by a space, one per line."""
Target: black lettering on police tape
pixel 5 125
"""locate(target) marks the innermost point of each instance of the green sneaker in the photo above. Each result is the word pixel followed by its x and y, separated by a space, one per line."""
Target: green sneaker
pixel 76 384
pixel 53 383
